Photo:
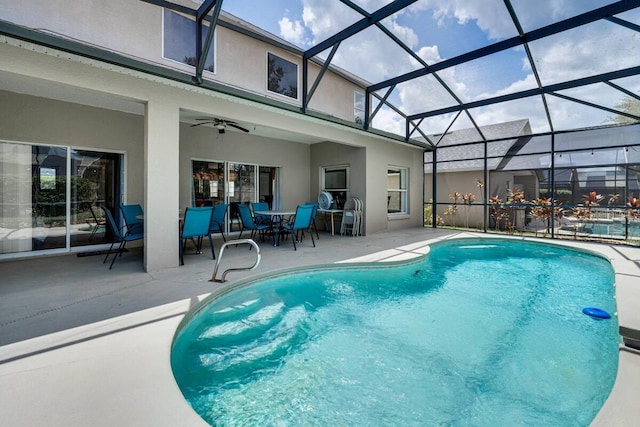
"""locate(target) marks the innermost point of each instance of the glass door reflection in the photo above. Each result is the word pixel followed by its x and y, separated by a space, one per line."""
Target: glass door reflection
pixel 241 188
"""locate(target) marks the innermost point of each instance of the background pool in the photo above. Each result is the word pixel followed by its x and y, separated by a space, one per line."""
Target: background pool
pixel 481 333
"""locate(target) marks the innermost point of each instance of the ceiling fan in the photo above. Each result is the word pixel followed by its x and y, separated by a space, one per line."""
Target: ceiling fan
pixel 219 124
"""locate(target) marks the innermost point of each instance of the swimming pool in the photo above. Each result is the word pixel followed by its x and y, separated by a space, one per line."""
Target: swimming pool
pixel 480 332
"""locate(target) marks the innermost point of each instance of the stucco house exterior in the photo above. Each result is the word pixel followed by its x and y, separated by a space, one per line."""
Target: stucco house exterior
pixel 99 106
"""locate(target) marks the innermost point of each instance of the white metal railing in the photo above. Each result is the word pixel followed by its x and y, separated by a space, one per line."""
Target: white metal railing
pixel 219 259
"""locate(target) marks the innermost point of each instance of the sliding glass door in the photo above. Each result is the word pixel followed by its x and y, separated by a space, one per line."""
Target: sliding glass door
pixel 50 197
pixel 94 183
pixel 233 183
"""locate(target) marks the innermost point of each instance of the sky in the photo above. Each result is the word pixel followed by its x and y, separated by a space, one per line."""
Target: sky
pixel 440 29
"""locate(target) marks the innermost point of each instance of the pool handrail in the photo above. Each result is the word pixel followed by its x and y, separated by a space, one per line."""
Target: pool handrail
pixel 235 242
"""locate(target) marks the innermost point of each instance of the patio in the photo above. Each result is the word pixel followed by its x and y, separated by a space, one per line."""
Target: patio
pixel 82 345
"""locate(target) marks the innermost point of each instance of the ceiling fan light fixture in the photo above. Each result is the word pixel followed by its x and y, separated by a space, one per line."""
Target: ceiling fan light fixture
pixel 219 124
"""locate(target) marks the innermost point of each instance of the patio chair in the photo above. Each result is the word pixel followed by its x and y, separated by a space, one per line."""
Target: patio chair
pixel 133 218
pixel 260 206
pixel 352 217
pixel 217 219
pixel 119 235
pixel 96 224
pixel 313 218
pixel 348 217
pixel 249 223
pixel 298 223
pixel 197 223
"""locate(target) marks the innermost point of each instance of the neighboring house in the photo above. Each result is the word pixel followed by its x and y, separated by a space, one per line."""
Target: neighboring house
pixel 518 160
pixel 98 105
pixel 461 166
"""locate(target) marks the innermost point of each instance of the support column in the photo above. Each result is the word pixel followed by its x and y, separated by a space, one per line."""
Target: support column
pixel 161 188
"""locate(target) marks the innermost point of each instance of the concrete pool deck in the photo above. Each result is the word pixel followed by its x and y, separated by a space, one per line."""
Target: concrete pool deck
pixel 81 345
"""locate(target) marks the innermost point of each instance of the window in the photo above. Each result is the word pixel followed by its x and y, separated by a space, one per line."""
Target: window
pixel 282 77
pixel 179 40
pixel 335 180
pixel 397 195
pixel 358 107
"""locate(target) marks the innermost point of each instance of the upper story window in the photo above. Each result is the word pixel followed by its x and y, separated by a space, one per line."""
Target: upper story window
pixel 282 76
pixel 179 40
pixel 358 106
pixel 397 194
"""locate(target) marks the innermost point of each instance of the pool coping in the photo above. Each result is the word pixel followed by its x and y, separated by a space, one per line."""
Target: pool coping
pixel 66 378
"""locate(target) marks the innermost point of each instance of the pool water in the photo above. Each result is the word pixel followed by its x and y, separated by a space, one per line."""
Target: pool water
pixel 481 332
pixel 612 230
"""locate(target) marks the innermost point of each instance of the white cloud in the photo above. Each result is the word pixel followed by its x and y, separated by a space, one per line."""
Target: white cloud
pixel 325 18
pixel 389 121
pixel 293 31
pixel 494 21
pixel 590 50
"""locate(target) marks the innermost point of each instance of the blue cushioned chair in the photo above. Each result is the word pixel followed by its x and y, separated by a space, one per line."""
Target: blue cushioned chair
pixel 260 206
pixel 197 223
pixel 119 235
pixel 299 222
pixel 217 219
pixel 133 217
pixel 249 223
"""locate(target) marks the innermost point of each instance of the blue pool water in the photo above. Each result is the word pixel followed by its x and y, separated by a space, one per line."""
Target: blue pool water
pixel 479 333
pixel 616 230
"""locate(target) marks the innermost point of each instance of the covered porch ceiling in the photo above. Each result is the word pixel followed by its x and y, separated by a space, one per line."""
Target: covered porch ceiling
pixel 61 92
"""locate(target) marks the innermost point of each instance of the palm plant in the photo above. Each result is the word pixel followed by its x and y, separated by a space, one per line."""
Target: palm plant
pixel 541 211
pixel 467 200
pixel 497 211
pixel 634 204
pixel 584 212
pixel 452 209
pixel 480 185
pixel 515 199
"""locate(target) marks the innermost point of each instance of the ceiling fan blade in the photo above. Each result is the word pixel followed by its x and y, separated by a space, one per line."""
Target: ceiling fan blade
pixel 200 124
pixel 237 126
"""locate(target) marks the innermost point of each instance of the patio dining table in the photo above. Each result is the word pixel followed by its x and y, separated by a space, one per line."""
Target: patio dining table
pixel 276 219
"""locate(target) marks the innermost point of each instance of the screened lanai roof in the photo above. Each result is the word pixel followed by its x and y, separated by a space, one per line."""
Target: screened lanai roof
pixel 437 66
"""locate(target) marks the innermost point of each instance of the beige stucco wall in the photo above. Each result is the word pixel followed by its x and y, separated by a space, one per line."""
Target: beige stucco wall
pixel 379 157
pixel 368 179
pixel 330 154
pixel 204 143
pixel 135 28
pixel 38 120
pixel 113 24
pixel 159 149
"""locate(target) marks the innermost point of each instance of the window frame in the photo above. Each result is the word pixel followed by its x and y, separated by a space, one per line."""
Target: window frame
pixel 340 195
pixel 402 191
pixel 283 95
pixel 212 52
pixel 359 113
